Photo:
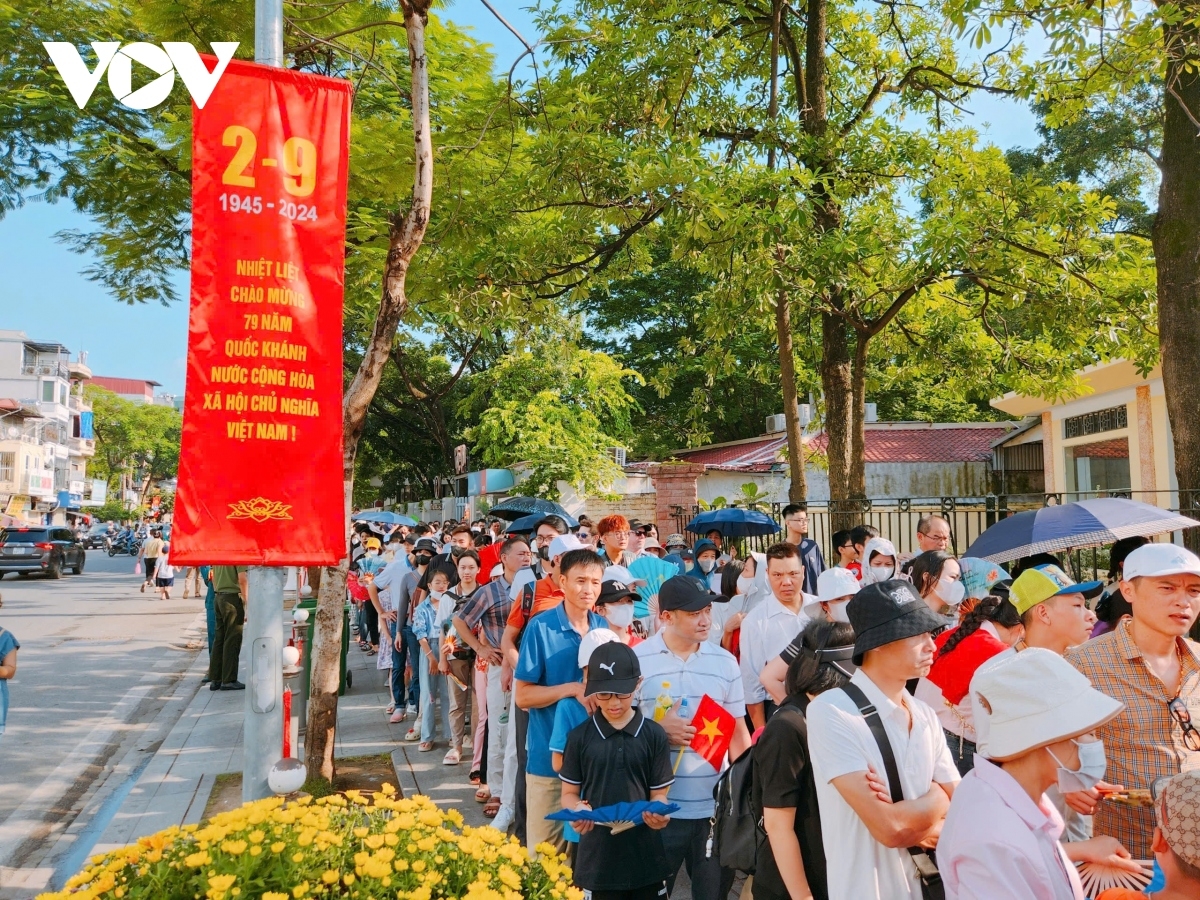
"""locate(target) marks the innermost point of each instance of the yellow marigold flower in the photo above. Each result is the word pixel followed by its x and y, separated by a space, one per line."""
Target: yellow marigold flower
pixel 375 841
pixel 330 876
pixel 376 868
pixel 297 857
pixel 418 865
pixel 574 893
pixel 197 860
pixel 411 848
pixel 274 895
pixel 348 879
pixel 391 840
pixel 119 893
pixel 255 850
pixel 430 817
pixel 278 847
pixel 361 832
pixel 300 890
pixel 387 790
pixel 221 882
pixel 400 865
pixel 424 844
pixel 234 848
pixel 386 854
pixel 235 892
pixel 257 836
pixel 154 856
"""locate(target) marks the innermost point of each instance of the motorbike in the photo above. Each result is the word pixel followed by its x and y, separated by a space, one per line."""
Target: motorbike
pixel 125 544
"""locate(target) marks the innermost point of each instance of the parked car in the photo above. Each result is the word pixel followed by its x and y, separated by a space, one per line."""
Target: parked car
pixel 47 549
pixel 97 536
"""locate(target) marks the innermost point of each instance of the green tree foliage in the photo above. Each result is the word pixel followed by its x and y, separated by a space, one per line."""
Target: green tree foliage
pixel 136 439
pixel 554 409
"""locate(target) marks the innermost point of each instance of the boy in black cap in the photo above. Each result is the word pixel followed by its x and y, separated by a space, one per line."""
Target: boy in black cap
pixel 617 756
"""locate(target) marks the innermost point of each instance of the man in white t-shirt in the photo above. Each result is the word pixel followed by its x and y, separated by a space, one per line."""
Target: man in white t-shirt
pixel 866 835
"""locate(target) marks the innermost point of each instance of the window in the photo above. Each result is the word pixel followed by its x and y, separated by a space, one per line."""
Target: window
pixel 1101 467
pixel 8 466
pixel 62 394
pixel 48 391
pixel 1112 419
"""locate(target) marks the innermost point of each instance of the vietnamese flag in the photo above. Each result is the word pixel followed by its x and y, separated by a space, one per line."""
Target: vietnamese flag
pixel 714 731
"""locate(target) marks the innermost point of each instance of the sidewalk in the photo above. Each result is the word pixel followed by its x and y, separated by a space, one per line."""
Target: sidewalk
pixel 175 785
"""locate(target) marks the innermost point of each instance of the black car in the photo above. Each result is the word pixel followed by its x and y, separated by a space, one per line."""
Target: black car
pixel 97 537
pixel 47 549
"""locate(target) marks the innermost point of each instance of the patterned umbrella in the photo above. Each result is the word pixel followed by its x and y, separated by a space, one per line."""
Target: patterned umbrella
pixel 1070 526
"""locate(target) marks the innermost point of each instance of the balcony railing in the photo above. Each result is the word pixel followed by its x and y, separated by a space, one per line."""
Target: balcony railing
pixel 82 446
pixel 58 369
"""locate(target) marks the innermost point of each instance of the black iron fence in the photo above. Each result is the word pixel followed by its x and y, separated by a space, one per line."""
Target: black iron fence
pixel 897 519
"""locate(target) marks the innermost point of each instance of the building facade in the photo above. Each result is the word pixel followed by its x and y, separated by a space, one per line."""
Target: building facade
pixel 46 429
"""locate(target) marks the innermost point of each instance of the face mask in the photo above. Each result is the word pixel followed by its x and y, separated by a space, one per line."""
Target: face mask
pixel 620 614
pixel 707 565
pixel 837 613
pixel 744 584
pixel 456 552
pixel 372 553
pixel 423 559
pixel 952 592
pixel 1092 764
pixel 544 554
pixel 883 573
pixel 436 596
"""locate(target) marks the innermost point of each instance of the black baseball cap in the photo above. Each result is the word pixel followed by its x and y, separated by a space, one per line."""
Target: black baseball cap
pixel 615 591
pixel 613 669
pixel 429 545
pixel 886 612
pixel 686 593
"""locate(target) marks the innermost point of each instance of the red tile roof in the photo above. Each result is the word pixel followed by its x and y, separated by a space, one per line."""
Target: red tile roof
pixel 884 444
pixel 126 385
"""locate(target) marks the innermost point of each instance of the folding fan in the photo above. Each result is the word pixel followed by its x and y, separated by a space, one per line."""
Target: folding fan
pixel 653 572
pixel 1099 877
pixel 619 817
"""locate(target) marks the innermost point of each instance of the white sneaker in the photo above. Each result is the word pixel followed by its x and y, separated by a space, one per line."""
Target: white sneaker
pixel 503 820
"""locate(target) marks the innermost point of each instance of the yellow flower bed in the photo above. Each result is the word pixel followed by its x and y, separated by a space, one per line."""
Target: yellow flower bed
pixel 351 846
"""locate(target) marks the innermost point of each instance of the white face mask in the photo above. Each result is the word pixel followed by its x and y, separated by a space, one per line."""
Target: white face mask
pixel 744 584
pixel 837 612
pixel 707 565
pixel 620 614
pixel 883 573
pixel 436 596
pixel 1092 764
pixel 372 553
pixel 952 592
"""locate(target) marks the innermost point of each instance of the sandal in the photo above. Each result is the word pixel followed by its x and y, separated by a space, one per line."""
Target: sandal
pixel 453 757
pixel 493 807
pixel 389 709
pixel 371 651
pixel 483 795
pixel 414 734
pixel 426 746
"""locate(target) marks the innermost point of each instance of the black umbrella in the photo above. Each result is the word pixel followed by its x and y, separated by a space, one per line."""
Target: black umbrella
pixel 519 507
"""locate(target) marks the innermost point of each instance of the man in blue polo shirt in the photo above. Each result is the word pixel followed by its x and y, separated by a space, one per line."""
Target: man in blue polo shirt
pixel 548 671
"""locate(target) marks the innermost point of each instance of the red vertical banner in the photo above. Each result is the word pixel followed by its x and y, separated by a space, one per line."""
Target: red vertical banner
pixel 260 472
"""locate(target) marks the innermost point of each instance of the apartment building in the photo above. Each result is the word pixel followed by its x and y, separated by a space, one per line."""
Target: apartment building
pixel 46 431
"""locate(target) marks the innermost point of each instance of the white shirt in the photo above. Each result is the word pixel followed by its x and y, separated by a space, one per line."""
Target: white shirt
pixel 768 628
pixel 722 613
pixel 841 743
pixel 997 844
pixel 710 670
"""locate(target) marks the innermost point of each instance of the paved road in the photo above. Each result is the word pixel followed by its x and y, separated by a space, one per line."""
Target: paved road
pixel 98 662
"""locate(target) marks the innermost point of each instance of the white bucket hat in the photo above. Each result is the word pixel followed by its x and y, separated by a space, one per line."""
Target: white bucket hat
pixel 832 584
pixel 590 641
pixel 1032 699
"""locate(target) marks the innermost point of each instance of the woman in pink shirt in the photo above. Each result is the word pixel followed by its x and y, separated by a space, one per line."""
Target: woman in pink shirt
pixel 1000 840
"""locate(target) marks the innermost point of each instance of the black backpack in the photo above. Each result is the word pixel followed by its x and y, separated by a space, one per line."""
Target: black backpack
pixel 736 828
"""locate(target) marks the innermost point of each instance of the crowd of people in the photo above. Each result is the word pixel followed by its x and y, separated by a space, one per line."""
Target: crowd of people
pixel 902 726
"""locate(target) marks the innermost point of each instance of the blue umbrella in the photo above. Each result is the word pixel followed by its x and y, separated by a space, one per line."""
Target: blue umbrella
pixel 519 507
pixel 619 817
pixel 734 522
pixel 1069 526
pixel 384 517
pixel 527 524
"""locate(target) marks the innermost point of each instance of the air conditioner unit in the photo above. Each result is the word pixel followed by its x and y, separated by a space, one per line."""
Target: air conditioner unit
pixel 870 412
pixel 617 454
pixel 776 423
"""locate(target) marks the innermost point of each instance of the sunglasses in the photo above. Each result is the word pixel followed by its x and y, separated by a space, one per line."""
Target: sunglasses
pixel 605 696
pixel 583 535
pixel 1179 712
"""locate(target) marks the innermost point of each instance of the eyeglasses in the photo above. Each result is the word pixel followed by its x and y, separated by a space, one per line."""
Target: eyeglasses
pixel 583 535
pixel 605 696
pixel 1179 712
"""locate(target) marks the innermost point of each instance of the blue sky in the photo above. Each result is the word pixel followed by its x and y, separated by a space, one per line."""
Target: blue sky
pixel 46 295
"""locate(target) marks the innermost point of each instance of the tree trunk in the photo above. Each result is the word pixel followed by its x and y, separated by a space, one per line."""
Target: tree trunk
pixel 798 485
pixel 1176 238
pixel 858 415
pixel 406 235
pixel 838 384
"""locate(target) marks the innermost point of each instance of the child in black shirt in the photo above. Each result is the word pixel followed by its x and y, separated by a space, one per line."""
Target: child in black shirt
pixel 617 756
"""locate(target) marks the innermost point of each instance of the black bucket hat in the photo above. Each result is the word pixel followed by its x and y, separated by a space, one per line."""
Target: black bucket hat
pixel 886 612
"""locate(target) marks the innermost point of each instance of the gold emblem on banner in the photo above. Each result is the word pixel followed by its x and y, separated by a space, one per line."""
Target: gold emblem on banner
pixel 260 509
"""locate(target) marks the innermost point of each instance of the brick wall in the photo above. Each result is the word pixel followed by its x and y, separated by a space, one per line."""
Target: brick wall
pixel 674 485
pixel 632 506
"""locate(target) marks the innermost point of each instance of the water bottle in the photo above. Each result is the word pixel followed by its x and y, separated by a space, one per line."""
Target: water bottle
pixel 664 703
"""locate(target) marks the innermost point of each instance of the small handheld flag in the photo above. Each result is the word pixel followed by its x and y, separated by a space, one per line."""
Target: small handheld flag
pixel 714 731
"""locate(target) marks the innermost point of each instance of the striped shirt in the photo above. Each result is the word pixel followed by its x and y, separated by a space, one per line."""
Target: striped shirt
pixel 489 607
pixel 1143 743
pixel 710 670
